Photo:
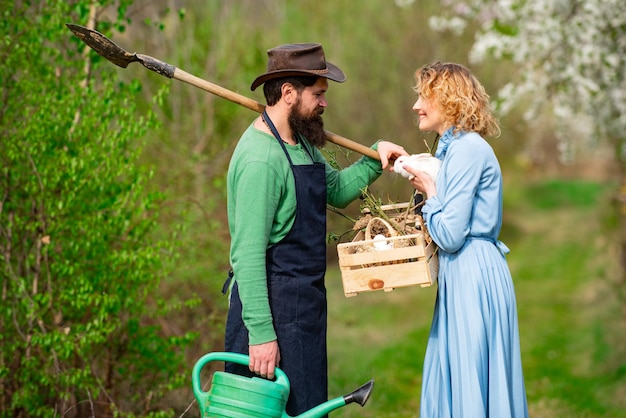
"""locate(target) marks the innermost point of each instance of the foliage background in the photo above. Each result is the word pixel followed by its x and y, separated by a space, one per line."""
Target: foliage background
pixel 153 153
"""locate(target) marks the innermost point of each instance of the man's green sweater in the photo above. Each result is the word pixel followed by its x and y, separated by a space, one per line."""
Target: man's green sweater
pixel 261 211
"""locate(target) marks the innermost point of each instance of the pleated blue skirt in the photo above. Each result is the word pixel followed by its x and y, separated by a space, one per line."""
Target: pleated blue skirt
pixel 473 366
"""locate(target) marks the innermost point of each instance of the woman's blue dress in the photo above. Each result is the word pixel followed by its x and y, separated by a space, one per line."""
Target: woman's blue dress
pixel 472 366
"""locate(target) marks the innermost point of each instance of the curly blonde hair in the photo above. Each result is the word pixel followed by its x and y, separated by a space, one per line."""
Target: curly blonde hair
pixel 460 96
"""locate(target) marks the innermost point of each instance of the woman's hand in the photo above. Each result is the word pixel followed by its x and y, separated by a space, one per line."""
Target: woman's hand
pixel 388 152
pixel 422 182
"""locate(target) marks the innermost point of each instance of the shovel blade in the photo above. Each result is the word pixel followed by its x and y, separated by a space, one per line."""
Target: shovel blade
pixel 103 45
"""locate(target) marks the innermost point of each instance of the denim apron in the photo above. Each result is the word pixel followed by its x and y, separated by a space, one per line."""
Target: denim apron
pixel 295 273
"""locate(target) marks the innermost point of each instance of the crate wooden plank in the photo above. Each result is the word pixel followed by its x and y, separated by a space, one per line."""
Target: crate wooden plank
pixel 349 258
pixel 385 278
pixel 433 260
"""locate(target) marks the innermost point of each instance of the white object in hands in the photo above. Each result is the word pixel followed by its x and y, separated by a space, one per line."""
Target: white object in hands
pixel 420 162
pixel 381 244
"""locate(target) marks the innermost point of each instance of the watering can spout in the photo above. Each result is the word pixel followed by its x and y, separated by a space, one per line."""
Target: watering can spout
pixel 360 396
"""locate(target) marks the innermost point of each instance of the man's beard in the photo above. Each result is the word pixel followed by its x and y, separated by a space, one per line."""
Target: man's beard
pixel 310 126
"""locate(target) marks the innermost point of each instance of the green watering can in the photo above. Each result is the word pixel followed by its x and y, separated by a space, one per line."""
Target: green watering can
pixel 236 396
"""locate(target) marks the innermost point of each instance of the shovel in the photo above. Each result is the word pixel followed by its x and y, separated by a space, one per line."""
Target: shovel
pixel 118 56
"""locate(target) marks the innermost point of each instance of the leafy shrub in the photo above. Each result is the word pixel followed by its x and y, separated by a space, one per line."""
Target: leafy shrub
pixel 79 315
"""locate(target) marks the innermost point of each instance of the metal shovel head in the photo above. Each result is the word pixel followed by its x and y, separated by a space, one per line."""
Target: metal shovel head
pixel 103 45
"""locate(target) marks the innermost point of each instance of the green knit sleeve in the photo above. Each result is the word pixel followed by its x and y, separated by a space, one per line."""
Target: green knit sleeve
pixel 254 190
pixel 345 185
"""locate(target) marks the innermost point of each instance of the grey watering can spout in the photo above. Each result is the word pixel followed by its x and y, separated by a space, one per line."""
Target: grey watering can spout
pixel 234 396
pixel 361 395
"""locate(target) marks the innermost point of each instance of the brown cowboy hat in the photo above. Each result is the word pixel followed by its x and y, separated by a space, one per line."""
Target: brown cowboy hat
pixel 298 59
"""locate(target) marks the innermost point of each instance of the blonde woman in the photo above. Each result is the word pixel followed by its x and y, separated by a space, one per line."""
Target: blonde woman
pixel 472 366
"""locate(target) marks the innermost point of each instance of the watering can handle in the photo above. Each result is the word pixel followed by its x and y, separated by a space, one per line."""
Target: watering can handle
pixel 202 396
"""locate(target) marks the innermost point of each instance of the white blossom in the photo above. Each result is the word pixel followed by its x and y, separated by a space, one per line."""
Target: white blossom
pixel 571 56
pixel 404 3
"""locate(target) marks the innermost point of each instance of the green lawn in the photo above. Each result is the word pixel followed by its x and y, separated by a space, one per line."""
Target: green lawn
pixel 572 326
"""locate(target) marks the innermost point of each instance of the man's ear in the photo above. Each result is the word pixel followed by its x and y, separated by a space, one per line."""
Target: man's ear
pixel 289 93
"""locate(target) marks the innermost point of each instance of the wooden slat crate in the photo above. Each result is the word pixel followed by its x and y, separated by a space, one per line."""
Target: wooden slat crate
pixel 411 260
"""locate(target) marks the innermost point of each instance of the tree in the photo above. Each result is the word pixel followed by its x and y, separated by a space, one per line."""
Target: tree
pixel 570 57
pixel 78 263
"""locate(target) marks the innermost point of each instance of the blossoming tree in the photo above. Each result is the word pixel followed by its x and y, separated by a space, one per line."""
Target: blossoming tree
pixel 570 56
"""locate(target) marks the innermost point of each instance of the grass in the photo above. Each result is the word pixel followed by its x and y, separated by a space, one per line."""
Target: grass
pixel 571 322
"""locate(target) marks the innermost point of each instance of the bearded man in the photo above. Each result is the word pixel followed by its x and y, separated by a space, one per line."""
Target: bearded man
pixel 278 186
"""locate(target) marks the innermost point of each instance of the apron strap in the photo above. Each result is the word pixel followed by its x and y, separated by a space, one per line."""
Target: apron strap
pixel 270 125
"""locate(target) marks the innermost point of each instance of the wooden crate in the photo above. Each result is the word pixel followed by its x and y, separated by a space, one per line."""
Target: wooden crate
pixel 410 260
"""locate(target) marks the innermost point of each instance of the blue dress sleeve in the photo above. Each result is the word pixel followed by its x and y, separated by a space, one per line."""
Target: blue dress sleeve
pixel 448 214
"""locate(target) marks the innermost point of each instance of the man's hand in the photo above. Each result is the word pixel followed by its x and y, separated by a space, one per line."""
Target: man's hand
pixel 264 358
pixel 388 152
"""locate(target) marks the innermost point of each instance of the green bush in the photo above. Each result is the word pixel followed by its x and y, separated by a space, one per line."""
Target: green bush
pixel 79 315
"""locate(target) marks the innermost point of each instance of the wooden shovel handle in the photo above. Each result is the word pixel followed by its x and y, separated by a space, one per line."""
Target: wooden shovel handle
pixel 258 107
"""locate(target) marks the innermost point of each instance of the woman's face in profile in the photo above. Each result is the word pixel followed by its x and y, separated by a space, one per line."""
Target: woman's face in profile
pixel 430 117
